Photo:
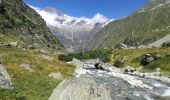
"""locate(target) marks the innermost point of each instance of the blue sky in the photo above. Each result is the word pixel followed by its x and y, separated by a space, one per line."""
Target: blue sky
pixel 88 8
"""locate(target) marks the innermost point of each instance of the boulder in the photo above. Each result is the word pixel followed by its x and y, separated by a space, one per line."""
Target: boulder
pixel 81 88
pixel 14 44
pixel 147 59
pixel 47 57
pixel 27 67
pixel 98 66
pixel 121 46
pixel 5 79
pixel 57 76
pixel 128 69
pixel 76 62
pixel 168 55
pixel 44 52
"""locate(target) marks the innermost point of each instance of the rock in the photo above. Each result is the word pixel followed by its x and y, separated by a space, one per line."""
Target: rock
pixel 98 66
pixel 47 57
pixel 121 46
pixel 141 46
pixel 128 69
pixel 14 44
pixel 81 88
pixel 157 56
pixel 76 62
pixel 44 52
pixel 57 76
pixel 31 47
pixel 27 67
pixel 168 55
pixel 5 79
pixel 147 59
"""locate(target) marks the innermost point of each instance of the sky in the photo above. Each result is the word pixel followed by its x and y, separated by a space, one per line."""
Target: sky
pixel 88 8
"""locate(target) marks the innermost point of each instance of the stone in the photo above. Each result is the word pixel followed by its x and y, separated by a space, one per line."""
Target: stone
pixel 31 47
pixel 168 55
pixel 121 46
pixel 44 52
pixel 14 44
pixel 47 57
pixel 5 79
pixel 128 69
pixel 147 59
pixel 157 56
pixel 81 88
pixel 98 66
pixel 27 67
pixel 55 75
pixel 76 62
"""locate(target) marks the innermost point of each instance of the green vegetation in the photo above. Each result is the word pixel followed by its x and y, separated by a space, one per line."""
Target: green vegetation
pixel 31 85
pixel 166 44
pixel 20 23
pixel 104 55
pixel 134 57
pixel 119 63
pixel 139 28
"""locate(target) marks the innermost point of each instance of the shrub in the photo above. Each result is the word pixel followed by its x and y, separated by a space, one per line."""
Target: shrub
pixel 166 44
pixel 104 55
pixel 119 63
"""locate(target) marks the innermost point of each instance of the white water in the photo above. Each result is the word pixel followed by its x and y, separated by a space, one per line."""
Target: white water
pixel 148 84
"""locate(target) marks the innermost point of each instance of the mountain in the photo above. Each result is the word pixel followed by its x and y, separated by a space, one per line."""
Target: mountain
pixel 72 31
pixel 144 26
pixel 20 23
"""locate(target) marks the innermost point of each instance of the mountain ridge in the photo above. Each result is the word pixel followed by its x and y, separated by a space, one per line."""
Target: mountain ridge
pixel 72 31
pixel 139 28
pixel 20 23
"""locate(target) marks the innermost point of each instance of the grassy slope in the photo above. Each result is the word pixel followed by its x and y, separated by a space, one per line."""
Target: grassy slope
pixel 134 57
pixel 137 28
pixel 27 85
pixel 20 23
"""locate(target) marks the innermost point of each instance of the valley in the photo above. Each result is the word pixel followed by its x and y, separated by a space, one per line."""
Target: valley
pixel 47 54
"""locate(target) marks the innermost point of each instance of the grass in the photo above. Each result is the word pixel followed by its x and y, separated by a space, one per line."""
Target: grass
pixel 134 56
pixel 27 85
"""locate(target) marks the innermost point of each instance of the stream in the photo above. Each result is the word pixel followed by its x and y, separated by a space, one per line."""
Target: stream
pixel 127 86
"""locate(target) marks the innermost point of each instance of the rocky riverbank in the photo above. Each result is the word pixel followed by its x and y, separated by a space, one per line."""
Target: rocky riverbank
pixel 113 83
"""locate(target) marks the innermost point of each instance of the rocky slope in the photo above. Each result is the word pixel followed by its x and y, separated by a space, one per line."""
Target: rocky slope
pixel 20 23
pixel 142 27
pixel 72 31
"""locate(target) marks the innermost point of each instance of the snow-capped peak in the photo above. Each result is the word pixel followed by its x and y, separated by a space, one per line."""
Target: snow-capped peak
pixel 58 19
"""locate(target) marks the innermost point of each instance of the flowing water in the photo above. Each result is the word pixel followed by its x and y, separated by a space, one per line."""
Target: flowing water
pixel 128 87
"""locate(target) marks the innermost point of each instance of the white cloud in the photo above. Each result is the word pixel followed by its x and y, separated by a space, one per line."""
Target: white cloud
pixel 98 18
pixel 50 18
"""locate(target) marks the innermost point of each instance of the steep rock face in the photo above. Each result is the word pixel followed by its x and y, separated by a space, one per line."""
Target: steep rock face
pixel 142 27
pixel 19 22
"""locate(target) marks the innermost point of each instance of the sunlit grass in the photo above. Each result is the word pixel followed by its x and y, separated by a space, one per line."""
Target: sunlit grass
pixel 134 57
pixel 36 85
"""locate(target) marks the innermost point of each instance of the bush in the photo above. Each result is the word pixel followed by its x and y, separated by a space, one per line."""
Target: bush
pixel 119 63
pixel 166 44
pixel 104 55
